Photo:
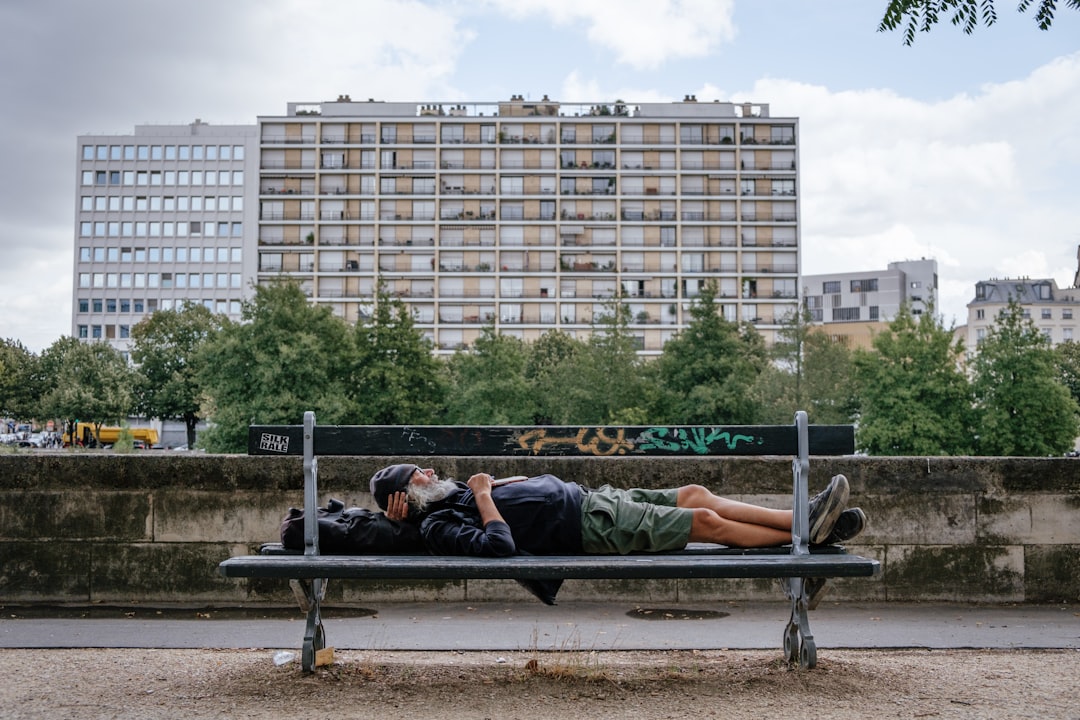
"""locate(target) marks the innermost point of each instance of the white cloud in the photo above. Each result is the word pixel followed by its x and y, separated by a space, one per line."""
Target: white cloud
pixel 888 178
pixel 643 34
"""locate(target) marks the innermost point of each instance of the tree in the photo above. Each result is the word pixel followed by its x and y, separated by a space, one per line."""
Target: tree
pixel 611 388
pixel 487 382
pixel 923 15
pixel 913 397
pixel 1068 365
pixel 809 371
pixel 829 370
pixel 553 371
pixel 89 382
pixel 1025 409
pixel 395 378
pixel 165 349
pixel 708 371
pixel 285 357
pixel 17 393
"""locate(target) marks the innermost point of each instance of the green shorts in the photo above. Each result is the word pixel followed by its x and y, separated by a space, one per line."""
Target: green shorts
pixel 616 521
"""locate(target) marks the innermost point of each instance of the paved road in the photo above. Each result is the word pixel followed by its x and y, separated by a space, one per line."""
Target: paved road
pixel 569 626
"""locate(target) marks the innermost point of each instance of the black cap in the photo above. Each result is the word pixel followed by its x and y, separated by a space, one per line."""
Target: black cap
pixel 390 480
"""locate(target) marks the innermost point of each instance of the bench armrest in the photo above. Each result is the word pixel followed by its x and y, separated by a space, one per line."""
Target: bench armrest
pixel 311 487
pixel 800 471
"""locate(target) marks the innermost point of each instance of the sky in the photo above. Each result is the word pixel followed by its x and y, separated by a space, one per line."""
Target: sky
pixel 961 148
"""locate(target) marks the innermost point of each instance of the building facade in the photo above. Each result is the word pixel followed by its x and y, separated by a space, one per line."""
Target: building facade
pixel 533 215
pixel 162 216
pixel 852 305
pixel 1055 311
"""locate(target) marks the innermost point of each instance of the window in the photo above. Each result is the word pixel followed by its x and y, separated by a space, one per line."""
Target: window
pixel 831 287
pixel 1047 314
pixel 783 187
pixel 1066 314
pixel 690 134
pixel 980 314
pixel 782 134
pixel 845 314
pixel 867 285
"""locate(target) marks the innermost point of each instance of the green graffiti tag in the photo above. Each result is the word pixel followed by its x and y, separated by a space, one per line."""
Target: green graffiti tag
pixel 697 439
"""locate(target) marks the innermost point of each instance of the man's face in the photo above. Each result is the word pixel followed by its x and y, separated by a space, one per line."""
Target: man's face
pixel 423 477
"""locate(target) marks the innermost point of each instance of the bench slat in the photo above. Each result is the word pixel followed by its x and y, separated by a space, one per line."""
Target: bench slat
pixel 666 565
pixel 658 440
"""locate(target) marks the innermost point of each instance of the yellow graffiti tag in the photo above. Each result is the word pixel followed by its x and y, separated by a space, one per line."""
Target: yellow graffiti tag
pixel 588 441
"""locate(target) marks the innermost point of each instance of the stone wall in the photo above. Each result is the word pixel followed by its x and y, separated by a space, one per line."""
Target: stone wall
pixel 150 528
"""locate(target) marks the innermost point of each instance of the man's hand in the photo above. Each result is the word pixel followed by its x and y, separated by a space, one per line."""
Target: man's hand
pixel 480 484
pixel 397 506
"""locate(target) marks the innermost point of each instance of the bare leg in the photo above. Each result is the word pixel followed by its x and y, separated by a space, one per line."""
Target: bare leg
pixel 708 526
pixel 697 496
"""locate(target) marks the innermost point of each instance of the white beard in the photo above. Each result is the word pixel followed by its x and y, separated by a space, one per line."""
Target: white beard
pixel 420 496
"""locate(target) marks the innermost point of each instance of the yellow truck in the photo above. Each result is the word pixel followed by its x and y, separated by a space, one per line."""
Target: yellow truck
pixel 85 436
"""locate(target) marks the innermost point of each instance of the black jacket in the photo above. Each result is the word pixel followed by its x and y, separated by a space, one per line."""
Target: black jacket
pixel 543 517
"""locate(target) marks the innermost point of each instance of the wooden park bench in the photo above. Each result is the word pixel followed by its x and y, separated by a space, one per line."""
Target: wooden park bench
pixel 309 571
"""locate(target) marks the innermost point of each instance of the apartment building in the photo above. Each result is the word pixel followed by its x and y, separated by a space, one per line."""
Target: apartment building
pixel 162 216
pixel 1055 311
pixel 851 306
pixel 532 215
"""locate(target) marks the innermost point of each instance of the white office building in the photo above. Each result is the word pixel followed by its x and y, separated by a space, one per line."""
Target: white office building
pixel 851 304
pixel 163 216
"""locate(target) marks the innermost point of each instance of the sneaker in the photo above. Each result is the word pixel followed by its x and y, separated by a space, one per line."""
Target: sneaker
pixel 825 509
pixel 850 523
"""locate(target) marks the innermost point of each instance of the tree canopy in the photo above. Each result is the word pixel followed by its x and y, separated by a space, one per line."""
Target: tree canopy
pixel 913 397
pixel 922 15
pixel 165 348
pixel 1025 408
pixel 286 357
pixel 709 369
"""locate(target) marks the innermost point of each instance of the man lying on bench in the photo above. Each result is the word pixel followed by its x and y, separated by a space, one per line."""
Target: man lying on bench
pixel 544 515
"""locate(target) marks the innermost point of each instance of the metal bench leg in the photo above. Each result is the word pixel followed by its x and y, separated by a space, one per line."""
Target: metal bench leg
pixel 799 645
pixel 309 593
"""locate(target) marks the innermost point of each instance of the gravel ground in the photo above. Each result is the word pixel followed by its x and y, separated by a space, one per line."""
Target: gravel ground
pixel 847 684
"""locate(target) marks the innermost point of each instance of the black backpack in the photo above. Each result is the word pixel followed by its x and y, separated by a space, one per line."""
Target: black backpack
pixel 352 531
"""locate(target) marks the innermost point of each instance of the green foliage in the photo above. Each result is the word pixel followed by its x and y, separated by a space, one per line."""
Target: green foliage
pixel 828 388
pixel 553 371
pixel 914 399
pixel 1067 356
pixel 165 348
pixel 809 371
pixel 17 392
pixel 923 15
pixel 709 370
pixel 1025 409
pixel 610 382
pixel 287 356
pixel 488 384
pixel 87 381
pixel 395 378
pixel 125 441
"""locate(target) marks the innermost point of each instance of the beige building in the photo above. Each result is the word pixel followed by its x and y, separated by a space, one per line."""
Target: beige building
pixel 532 215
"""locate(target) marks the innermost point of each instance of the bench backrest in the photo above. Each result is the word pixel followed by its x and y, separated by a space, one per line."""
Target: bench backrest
pixel 445 440
pixel 798 440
